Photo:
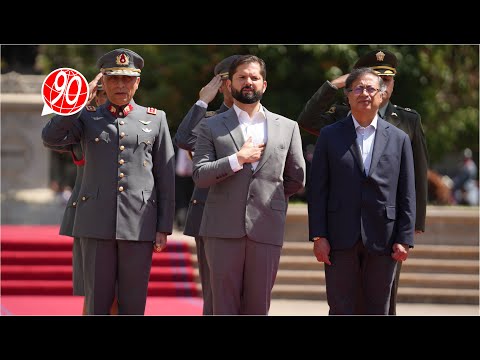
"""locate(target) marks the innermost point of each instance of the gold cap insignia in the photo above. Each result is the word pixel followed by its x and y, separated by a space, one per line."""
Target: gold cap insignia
pixel 122 59
pixel 380 56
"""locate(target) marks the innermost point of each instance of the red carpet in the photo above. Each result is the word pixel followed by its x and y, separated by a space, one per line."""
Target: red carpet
pixel 36 275
pixel 72 305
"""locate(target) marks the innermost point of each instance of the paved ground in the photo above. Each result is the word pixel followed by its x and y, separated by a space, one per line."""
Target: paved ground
pixel 320 308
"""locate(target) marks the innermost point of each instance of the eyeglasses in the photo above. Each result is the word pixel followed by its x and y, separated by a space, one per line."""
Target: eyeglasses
pixel 360 89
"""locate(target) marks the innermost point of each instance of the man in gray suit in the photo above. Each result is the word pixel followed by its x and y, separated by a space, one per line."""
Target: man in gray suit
pixel 126 202
pixel 185 138
pixel 252 160
pixel 361 201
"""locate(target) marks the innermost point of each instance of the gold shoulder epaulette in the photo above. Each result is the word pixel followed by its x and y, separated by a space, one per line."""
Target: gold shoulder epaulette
pixel 151 110
pixel 90 108
pixel 210 113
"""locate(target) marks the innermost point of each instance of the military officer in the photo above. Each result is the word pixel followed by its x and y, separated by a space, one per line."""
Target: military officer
pixel 185 138
pixel 125 207
pixel 321 110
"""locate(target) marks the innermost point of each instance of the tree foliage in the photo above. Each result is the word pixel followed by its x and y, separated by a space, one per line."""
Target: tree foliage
pixel 441 82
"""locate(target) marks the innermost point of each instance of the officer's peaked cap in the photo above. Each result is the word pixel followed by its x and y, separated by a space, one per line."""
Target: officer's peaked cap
pixel 222 67
pixel 121 62
pixel 383 62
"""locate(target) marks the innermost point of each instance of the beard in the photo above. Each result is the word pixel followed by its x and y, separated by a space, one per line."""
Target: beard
pixel 249 98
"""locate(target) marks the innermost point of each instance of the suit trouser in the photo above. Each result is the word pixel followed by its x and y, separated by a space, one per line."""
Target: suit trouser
pixel 204 276
pixel 242 274
pixel 356 269
pixel 124 263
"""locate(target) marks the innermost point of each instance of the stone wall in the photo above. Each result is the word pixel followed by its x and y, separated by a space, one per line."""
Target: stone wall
pixel 446 225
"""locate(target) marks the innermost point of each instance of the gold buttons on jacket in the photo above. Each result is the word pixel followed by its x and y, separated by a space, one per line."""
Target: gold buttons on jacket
pixel 121 175
pixel 97 139
pixel 122 122
pixel 122 147
pixel 122 134
pixel 120 114
pixel 194 201
pixel 145 162
pixel 121 161
pixel 120 188
pixel 74 204
pixel 84 198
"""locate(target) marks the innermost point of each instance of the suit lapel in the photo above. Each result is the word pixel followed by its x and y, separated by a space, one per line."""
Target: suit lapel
pixel 381 139
pixel 273 135
pixel 230 120
pixel 352 140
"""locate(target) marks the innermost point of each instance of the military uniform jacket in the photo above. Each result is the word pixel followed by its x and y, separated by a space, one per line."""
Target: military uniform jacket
pixel 128 185
pixel 185 138
pixel 66 227
pixel 321 110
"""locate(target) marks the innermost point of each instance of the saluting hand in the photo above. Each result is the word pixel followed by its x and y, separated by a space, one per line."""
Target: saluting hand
pixel 209 91
pixel 160 242
pixel 92 87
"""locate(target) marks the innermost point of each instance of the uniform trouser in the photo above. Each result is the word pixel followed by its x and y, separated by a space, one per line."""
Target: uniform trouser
pixel 204 276
pixel 122 262
pixel 242 274
pixel 393 297
pixel 77 268
pixel 356 269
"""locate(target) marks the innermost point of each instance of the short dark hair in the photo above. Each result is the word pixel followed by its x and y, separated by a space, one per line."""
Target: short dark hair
pixel 247 59
pixel 356 73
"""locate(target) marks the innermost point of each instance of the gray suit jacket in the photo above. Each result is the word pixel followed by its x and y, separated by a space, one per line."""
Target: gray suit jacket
pixel 344 204
pixel 128 183
pixel 251 203
pixel 185 138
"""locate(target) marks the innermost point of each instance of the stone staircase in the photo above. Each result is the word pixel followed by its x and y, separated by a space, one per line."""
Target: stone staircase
pixel 443 267
pixel 436 274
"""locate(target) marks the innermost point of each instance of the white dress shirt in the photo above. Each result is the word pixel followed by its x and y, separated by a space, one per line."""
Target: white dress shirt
pixel 255 127
pixel 365 141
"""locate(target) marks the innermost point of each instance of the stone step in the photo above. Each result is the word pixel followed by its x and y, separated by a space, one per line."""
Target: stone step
pixel 405 294
pixel 419 251
pixel 303 262
pixel 423 280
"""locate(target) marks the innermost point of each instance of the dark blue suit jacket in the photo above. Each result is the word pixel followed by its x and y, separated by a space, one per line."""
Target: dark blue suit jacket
pixel 344 204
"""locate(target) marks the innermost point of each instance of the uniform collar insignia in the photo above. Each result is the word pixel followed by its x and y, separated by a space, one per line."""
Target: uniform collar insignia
pixel 120 111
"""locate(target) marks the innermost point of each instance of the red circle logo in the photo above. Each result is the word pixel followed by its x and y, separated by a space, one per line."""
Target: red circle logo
pixel 64 92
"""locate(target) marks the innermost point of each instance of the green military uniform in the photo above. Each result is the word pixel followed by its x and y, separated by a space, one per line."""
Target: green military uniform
pixel 185 138
pixel 322 110
pixel 127 192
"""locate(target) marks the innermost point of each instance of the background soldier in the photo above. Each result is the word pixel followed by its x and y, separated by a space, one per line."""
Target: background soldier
pixel 321 110
pixel 185 138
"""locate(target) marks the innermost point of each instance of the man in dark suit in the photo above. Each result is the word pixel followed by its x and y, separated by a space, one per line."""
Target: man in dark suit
pixel 126 201
pixel 185 138
pixel 361 201
pixel 252 160
pixel 321 110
